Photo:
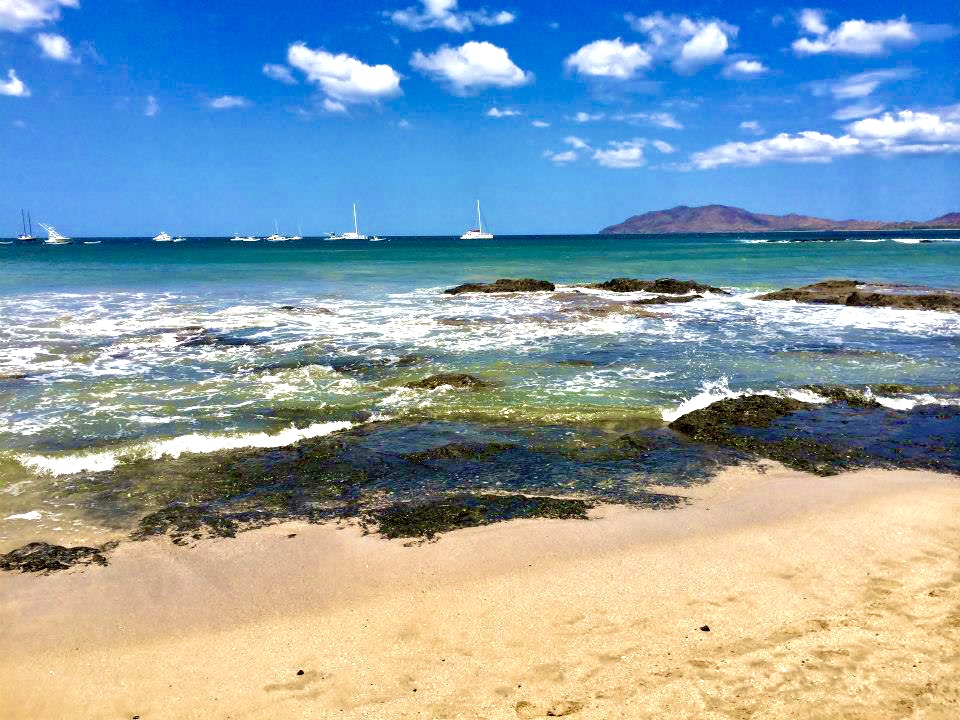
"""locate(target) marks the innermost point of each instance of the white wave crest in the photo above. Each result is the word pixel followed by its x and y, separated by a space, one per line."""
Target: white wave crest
pixel 173 448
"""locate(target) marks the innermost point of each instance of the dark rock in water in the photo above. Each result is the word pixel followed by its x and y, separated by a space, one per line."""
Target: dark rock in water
pixel 459 451
pixel 664 299
pixel 574 362
pixel 301 309
pixel 208 338
pixel 666 286
pixel 853 293
pixel 502 286
pixel 181 520
pixel 457 380
pixel 427 520
pixel 41 557
pixel 14 376
pixel 841 393
pixel 749 411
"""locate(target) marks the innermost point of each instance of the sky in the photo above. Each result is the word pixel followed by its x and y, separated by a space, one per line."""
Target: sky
pixel 126 117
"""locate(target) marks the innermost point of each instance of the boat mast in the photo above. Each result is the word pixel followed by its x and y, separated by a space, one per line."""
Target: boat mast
pixel 30 221
pixel 479 221
pixel 23 221
pixel 356 228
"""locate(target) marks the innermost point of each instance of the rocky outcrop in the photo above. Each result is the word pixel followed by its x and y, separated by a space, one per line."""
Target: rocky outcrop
pixel 457 380
pixel 666 299
pixel 853 293
pixel 664 286
pixel 41 557
pixel 503 285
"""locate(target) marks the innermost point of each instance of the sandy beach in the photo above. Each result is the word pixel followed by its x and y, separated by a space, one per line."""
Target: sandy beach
pixel 824 597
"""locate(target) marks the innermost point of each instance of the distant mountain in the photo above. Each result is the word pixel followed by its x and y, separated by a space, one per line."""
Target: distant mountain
pixel 722 218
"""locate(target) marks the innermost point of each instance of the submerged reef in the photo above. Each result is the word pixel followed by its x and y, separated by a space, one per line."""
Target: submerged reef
pixel 854 293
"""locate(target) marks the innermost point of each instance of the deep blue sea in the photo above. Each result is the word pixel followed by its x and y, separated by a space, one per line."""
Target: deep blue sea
pixel 130 348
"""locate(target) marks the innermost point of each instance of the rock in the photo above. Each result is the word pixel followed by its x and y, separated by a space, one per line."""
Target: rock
pixel 41 557
pixel 457 380
pixel 299 672
pixel 664 299
pixel 853 293
pixel 705 628
pixel 208 337
pixel 459 451
pixel 502 286
pixel 666 286
pixel 300 309
pixel 755 411
pixel 840 393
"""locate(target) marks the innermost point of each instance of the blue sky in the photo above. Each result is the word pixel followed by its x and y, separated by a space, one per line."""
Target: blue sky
pixel 131 116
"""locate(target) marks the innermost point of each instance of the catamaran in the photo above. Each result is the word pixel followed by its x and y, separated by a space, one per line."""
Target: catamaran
pixel 53 237
pixel 355 235
pixel 163 237
pixel 276 237
pixel 477 233
pixel 299 235
pixel 26 236
pixel 236 238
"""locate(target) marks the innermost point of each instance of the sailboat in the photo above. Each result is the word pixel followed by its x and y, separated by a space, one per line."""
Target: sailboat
pixel 477 233
pixel 26 236
pixel 355 235
pixel 276 237
pixel 53 237
pixel 163 237
pixel 299 235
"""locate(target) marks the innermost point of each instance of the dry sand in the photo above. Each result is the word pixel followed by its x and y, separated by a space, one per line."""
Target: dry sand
pixel 825 598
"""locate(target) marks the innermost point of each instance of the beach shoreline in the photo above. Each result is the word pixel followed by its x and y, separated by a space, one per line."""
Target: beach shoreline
pixel 824 596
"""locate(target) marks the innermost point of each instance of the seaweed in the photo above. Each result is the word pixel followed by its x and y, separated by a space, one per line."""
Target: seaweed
pixel 459 451
pixel 44 558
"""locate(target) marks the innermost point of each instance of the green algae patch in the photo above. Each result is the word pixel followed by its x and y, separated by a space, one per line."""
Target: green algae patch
pixel 44 558
pixel 460 451
pixel 181 521
pixel 457 380
pixel 756 411
pixel 427 520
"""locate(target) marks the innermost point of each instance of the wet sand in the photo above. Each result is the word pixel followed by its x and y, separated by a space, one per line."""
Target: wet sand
pixel 824 597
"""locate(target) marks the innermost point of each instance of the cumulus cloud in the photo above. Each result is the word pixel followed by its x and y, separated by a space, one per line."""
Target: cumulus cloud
pixel 14 86
pixel 280 73
pixel 228 102
pixel 744 69
pixel 621 155
pixel 20 15
pixel 55 47
pixel 539 124
pixel 900 133
pixel 689 44
pixel 151 107
pixel 561 158
pixel 852 37
pixel 471 67
pixel 344 79
pixel 609 58
pixel 751 126
pixel 498 113
pixel 445 14
pixel 664 147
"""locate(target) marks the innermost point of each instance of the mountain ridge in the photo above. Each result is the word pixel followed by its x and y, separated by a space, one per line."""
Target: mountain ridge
pixel 725 218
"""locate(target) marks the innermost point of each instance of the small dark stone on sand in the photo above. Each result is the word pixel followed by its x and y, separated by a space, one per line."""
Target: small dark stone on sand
pixel 292 535
pixel 503 285
pixel 705 628
pixel 457 380
pixel 299 672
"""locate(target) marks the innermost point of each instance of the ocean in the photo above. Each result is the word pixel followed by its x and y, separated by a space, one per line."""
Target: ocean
pixel 131 351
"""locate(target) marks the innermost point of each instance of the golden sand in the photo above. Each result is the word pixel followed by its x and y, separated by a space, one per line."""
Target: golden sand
pixel 824 597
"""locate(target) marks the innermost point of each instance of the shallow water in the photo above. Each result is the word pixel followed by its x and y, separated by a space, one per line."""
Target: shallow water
pixel 133 349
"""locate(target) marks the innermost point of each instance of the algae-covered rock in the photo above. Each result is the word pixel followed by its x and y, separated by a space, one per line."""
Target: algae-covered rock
pixel 457 380
pixel 180 520
pixel 459 451
pixel 665 299
pixel 665 286
pixel 756 411
pixel 427 520
pixel 854 293
pixel 504 285
pixel 841 393
pixel 41 557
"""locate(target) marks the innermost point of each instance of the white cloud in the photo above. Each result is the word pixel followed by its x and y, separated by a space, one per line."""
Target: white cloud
pixel 662 119
pixel 852 112
pixel 19 15
pixel 280 73
pixel 228 102
pixel 584 117
pixel 342 78
pixel 14 86
pixel 444 14
pixel 689 44
pixel 55 47
pixel 813 22
pixel 151 107
pixel 334 106
pixel 621 155
pixel 751 126
pixel 904 132
pixel 862 84
pixel 561 158
pixel 609 58
pixel 539 124
pixel 471 67
pixel 498 113
pixel 855 37
pixel 576 143
pixel 664 147
pixel 744 68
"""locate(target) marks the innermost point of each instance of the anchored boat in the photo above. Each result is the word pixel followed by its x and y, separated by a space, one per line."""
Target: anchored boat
pixel 477 233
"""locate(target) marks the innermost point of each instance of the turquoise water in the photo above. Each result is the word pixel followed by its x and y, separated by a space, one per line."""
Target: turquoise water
pixel 131 348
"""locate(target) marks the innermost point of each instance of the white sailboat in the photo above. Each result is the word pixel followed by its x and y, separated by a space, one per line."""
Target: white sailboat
pixel 163 237
pixel 477 233
pixel 53 237
pixel 299 235
pixel 26 236
pixel 355 235
pixel 276 237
